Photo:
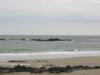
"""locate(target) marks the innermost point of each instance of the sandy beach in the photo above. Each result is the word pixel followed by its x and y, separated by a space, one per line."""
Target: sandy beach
pixel 73 61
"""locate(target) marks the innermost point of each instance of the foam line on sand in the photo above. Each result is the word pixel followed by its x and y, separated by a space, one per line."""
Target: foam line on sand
pixel 47 55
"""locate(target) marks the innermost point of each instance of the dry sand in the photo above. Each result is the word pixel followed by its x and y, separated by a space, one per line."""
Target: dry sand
pixel 89 61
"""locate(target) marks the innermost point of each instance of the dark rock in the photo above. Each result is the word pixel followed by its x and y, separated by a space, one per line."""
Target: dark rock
pixel 51 69
pixel 3 39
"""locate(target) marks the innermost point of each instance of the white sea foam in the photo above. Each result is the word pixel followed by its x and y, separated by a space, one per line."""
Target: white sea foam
pixel 46 55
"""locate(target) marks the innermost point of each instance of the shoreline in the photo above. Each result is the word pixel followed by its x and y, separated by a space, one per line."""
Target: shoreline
pixel 47 55
pixel 83 58
pixel 74 62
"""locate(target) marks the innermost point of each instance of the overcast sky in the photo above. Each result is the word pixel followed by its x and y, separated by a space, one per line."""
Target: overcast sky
pixel 51 17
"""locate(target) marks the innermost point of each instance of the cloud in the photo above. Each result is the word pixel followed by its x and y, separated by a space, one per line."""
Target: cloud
pixel 49 16
pixel 50 7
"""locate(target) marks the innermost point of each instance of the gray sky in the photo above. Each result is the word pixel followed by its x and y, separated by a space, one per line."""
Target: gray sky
pixel 52 17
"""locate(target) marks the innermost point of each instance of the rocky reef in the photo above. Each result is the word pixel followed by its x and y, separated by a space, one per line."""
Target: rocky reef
pixel 42 69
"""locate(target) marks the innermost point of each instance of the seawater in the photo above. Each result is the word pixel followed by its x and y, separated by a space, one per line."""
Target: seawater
pixel 79 43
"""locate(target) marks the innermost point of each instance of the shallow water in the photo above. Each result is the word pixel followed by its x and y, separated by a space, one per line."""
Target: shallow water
pixel 81 43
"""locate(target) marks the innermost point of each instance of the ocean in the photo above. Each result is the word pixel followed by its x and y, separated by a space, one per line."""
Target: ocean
pixel 13 44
